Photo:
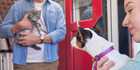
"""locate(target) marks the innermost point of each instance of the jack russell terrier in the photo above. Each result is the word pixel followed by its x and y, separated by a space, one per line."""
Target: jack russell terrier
pixel 97 47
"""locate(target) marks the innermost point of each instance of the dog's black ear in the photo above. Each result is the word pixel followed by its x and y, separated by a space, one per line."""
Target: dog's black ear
pixel 87 34
pixel 82 36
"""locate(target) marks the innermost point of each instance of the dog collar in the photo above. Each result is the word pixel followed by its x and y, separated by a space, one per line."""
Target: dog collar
pixel 99 56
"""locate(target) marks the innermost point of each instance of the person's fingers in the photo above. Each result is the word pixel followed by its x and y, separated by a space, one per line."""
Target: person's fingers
pixel 24 33
pixel 102 61
pixel 21 38
pixel 47 39
pixel 25 16
pixel 108 65
pixel 22 42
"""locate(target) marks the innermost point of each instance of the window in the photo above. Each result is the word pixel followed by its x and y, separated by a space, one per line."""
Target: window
pixel 82 9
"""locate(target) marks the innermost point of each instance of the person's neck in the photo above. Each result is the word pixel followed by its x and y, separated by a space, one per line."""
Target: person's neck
pixel 38 1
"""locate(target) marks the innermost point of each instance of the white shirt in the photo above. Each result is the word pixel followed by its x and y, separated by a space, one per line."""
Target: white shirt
pixel 34 56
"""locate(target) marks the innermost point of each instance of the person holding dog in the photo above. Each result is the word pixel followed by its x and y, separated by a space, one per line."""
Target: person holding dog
pixel 132 22
pixel 49 32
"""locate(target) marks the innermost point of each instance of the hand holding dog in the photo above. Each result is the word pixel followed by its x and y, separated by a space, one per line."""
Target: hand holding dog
pixel 105 64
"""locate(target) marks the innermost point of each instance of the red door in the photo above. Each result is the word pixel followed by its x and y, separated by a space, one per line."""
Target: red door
pixel 72 58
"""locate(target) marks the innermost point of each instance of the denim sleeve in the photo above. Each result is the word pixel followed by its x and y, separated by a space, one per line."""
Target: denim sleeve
pixel 5 27
pixel 60 31
pixel 133 64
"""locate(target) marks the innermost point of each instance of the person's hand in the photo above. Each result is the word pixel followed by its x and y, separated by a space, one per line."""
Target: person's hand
pixel 47 39
pixel 25 23
pixel 105 64
pixel 28 39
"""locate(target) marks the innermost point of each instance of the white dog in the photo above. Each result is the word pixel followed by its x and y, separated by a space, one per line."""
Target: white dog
pixel 95 45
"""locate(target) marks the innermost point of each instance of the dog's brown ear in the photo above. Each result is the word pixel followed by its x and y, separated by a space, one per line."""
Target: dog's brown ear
pixel 87 34
pixel 82 36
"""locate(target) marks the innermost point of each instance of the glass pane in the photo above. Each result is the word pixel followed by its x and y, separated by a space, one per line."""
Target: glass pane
pixel 82 9
pixel 101 24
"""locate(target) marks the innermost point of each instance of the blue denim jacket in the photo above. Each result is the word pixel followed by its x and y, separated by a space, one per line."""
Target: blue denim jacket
pixel 132 64
pixel 54 19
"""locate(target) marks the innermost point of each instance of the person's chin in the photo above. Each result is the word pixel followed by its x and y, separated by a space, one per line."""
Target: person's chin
pixel 136 38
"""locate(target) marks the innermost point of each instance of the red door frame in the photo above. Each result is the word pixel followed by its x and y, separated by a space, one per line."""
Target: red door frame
pixel 66 50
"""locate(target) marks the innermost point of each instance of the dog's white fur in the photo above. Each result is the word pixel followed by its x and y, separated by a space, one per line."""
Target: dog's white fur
pixel 98 44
